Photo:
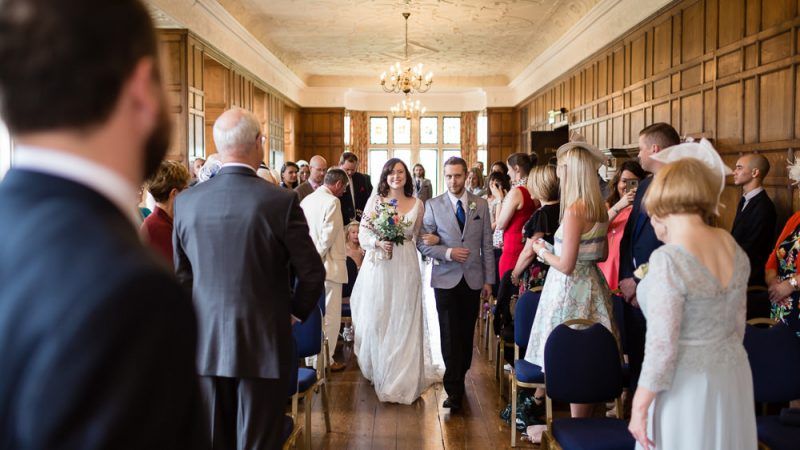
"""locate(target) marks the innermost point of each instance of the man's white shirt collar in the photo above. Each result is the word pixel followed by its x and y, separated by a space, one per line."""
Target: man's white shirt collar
pixel 83 171
pixel 454 200
pixel 235 164
pixel 749 196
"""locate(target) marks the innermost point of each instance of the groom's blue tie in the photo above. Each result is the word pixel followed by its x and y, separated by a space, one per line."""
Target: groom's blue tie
pixel 460 215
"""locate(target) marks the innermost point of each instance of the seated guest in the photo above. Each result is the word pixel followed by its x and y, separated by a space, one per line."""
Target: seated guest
pixel 303 171
pixel 422 186
pixel 318 167
pixel 289 175
pixel 475 182
pixel 97 339
pixel 353 248
pixel 695 387
pixel 781 274
pixel 171 178
pixel 517 207
pixel 754 225
pixel 619 204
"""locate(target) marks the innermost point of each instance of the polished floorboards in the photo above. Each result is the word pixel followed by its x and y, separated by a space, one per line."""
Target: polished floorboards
pixel 360 421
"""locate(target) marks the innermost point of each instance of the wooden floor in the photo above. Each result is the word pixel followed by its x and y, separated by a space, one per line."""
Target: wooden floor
pixel 360 421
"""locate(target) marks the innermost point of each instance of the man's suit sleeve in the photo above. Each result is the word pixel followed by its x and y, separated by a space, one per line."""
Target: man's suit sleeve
pixel 326 232
pixel 131 370
pixel 305 262
pixel 183 267
pixel 487 249
pixel 438 251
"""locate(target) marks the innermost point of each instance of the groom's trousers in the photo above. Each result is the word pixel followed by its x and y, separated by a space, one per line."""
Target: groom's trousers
pixel 458 311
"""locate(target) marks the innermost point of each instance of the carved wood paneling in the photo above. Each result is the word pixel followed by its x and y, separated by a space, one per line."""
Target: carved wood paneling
pixel 503 133
pixel 321 133
pixel 725 70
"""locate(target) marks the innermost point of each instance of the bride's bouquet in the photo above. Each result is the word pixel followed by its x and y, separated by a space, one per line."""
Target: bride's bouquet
pixel 385 222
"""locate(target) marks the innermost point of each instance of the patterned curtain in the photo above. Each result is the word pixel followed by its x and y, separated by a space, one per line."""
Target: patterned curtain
pixel 359 136
pixel 469 137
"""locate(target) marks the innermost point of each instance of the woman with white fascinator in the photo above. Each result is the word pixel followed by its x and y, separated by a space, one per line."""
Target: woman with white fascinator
pixel 695 388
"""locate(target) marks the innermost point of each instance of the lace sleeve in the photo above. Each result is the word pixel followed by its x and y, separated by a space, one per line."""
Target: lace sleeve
pixel 367 238
pixel 663 294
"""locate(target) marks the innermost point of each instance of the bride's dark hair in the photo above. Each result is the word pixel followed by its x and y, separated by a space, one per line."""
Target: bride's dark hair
pixel 383 185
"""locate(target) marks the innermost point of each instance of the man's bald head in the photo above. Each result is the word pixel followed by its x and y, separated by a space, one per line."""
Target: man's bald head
pixel 751 170
pixel 237 134
pixel 319 166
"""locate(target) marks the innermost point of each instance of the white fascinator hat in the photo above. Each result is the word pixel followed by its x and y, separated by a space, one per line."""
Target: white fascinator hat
pixel 576 140
pixel 702 151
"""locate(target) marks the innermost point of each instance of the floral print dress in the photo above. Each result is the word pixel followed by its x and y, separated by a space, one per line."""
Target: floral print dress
pixel 784 261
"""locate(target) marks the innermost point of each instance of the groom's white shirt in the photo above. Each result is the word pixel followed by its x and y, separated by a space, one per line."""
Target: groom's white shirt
pixel 454 200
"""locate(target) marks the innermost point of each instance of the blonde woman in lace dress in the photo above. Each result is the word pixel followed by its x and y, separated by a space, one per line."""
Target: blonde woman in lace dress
pixel 695 389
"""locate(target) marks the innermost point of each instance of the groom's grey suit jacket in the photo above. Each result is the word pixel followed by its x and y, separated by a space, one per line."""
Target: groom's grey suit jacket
pixel 440 219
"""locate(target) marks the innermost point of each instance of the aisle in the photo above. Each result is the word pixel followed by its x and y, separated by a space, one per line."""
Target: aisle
pixel 359 421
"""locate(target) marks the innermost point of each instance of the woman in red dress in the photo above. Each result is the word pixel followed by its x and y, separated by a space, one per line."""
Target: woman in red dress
pixel 517 208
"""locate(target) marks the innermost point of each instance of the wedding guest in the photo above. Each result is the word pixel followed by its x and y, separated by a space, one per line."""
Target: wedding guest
pixel 475 182
pixel 289 175
pixel 265 173
pixel 619 208
pixel 574 287
pixel 144 211
pixel 517 207
pixel 235 257
pixel 499 185
pixel 209 169
pixel 500 166
pixel 638 242
pixel 358 190
pixel 97 339
pixel 318 167
pixel 695 388
pixel 781 269
pixel 194 169
pixel 171 178
pixel 422 186
pixel 353 248
pixel 754 225
pixel 303 171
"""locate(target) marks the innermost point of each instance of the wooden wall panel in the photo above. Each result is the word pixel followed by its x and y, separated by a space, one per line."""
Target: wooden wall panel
pixel 721 69
pixel 322 133
pixel 172 64
pixel 502 133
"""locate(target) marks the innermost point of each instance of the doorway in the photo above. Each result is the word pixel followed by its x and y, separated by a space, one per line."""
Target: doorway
pixel 545 143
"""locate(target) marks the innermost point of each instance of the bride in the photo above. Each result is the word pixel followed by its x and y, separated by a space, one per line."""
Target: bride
pixel 391 336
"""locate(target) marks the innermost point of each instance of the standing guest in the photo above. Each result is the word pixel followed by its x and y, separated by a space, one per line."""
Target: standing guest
pixel 638 242
pixel 171 178
pixel 303 171
pixel 695 388
pixel 194 169
pixel 499 185
pixel 353 248
pixel 318 168
pixel 235 257
pixel 517 207
pixel 619 202
pixel 289 175
pixel 144 211
pixel 359 188
pixel 97 340
pixel 324 216
pixel 754 225
pixel 422 186
pixel 574 287
pixel 475 182
pixel 500 166
pixel 265 173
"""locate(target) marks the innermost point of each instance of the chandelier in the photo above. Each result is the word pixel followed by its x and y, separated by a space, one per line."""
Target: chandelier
pixel 409 80
pixel 408 108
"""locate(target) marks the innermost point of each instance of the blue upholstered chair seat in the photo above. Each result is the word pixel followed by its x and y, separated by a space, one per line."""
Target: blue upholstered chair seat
pixel 594 434
pixel 288 427
pixel 346 312
pixel 776 435
pixel 528 372
pixel 306 378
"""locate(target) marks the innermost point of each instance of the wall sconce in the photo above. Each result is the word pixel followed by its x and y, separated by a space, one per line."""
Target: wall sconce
pixel 551 115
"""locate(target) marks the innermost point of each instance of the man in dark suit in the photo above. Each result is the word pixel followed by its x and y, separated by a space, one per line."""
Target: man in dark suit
pixel 236 257
pixel 358 191
pixel 754 225
pixel 639 241
pixel 97 339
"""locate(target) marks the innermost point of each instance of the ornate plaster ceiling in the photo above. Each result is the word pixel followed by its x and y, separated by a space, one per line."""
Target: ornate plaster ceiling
pixel 339 40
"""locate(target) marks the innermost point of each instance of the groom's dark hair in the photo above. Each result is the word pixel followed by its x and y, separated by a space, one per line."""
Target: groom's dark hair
pixel 456 161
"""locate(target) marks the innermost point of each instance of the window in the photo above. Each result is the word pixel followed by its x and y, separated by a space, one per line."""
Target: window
pixel 449 153
pixel 483 157
pixel 403 155
pixel 378 130
pixel 377 158
pixel 483 139
pixel 429 130
pixel 451 130
pixel 276 159
pixel 402 130
pixel 429 158
pixel 347 130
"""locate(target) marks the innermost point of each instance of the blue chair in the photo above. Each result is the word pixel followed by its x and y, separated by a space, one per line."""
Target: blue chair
pixel 774 355
pixel 523 374
pixel 574 358
pixel 308 337
pixel 347 290
pixel 291 429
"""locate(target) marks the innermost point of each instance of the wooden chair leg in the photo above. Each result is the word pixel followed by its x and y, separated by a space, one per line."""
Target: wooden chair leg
pixel 326 408
pixel 501 360
pixel 513 389
pixel 295 401
pixel 307 413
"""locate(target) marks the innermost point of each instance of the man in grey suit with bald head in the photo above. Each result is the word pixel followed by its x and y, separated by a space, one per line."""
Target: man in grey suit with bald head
pixel 463 270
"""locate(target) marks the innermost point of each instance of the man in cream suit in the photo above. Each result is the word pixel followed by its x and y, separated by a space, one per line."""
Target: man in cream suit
pixel 463 270
pixel 323 213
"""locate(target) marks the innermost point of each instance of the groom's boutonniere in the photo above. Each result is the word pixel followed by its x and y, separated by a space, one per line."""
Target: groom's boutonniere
pixel 641 271
pixel 472 206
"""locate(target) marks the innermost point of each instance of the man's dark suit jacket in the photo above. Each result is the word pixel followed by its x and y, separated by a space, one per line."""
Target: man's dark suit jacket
pixel 97 339
pixel 639 239
pixel 362 186
pixel 236 237
pixel 754 231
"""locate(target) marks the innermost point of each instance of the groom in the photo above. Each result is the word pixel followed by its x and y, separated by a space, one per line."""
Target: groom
pixel 463 270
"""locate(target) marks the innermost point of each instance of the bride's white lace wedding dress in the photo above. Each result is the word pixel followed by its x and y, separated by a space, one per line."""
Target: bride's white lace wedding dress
pixel 392 327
